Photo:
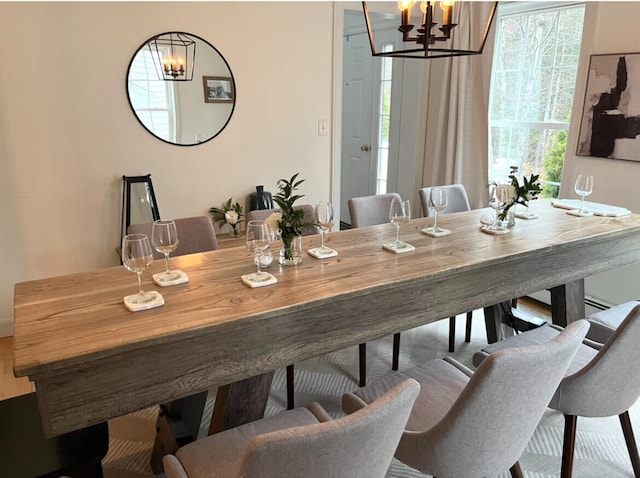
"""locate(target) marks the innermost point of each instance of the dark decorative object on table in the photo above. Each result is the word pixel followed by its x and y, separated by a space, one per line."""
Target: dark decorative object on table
pixel 260 199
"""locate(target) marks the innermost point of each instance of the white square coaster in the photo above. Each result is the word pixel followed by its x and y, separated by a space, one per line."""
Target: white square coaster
pixel 319 254
pixel 177 277
pixel 399 250
pixel 440 233
pixel 494 232
pixel 157 301
pixel 250 280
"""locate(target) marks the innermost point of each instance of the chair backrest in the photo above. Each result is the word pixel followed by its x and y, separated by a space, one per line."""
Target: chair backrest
pixel 488 427
pixel 610 384
pixel 357 445
pixel 195 234
pixel 370 210
pixel 309 216
pixel 457 200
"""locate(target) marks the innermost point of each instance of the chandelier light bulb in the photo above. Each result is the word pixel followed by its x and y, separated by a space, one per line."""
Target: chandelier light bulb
pixel 406 5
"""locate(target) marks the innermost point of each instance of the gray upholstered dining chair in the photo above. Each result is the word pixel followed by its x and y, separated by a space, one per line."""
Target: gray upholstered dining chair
pixel 309 216
pixel 605 322
pixel 459 427
pixel 602 381
pixel 457 201
pixel 195 234
pixel 303 442
pixel 370 211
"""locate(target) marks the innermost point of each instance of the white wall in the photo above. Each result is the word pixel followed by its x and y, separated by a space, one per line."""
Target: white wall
pixel 67 134
pixel 611 27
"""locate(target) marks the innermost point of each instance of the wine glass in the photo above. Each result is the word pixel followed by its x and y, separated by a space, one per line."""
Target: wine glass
pixel 137 257
pixel 324 218
pixel 583 187
pixel 164 238
pixel 437 202
pixel 498 197
pixel 399 213
pixel 259 238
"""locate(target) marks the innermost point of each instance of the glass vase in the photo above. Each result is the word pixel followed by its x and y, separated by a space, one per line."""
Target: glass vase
pixel 234 232
pixel 291 253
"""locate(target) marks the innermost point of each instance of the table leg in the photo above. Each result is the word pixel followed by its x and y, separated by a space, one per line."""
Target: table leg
pixel 177 424
pixel 494 317
pixel 240 402
pixel 567 303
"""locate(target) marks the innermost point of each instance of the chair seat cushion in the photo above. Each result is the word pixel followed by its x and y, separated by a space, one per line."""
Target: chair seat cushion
pixel 440 385
pixel 584 355
pixel 220 455
pixel 603 323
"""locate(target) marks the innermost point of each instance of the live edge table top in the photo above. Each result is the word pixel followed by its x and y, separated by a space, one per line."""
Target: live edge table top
pixel 91 359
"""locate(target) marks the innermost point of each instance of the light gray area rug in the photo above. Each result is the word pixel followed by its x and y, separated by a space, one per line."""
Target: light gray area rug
pixel 600 448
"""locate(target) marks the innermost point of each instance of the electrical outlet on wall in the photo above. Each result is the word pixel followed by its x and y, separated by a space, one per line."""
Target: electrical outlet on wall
pixel 323 127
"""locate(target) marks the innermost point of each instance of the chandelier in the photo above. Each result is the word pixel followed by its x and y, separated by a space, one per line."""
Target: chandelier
pixel 174 56
pixel 428 30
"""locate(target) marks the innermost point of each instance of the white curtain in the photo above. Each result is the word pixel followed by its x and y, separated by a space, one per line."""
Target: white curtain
pixel 456 145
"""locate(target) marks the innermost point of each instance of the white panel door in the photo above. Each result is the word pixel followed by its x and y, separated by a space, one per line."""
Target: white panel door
pixel 357 170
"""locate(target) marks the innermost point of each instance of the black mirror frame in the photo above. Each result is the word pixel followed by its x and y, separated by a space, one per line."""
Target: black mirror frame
pixel 233 81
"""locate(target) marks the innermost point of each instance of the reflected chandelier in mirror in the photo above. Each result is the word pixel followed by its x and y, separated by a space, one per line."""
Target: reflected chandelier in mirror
pixel 181 112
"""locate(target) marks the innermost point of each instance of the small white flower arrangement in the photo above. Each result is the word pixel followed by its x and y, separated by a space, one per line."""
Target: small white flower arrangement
pixel 229 214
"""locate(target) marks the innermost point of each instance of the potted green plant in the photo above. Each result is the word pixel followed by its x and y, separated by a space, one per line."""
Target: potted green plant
pixel 291 222
pixel 229 214
pixel 518 194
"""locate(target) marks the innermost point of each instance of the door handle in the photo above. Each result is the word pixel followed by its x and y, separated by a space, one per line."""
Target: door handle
pixel 364 147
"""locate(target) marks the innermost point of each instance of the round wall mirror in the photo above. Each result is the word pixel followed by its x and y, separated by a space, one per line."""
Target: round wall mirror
pixel 196 103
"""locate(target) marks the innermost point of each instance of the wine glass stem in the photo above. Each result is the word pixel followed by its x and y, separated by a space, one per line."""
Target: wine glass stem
pixel 581 204
pixel 139 274
pixel 435 221
pixel 397 233
pixel 258 258
pixel 322 235
pixel 166 262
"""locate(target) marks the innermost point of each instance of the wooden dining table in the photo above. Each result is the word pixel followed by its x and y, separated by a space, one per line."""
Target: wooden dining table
pixel 91 359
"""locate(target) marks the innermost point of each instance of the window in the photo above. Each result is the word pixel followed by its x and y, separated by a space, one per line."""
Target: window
pixel 384 122
pixel 152 99
pixel 532 86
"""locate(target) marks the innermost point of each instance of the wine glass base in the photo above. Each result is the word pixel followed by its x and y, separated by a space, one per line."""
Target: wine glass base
pixel 164 279
pixel 320 253
pixel 398 247
pixel 258 279
pixel 579 213
pixel 495 231
pixel 435 232
pixel 150 300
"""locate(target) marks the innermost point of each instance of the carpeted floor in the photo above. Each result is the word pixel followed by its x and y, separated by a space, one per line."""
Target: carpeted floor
pixel 600 448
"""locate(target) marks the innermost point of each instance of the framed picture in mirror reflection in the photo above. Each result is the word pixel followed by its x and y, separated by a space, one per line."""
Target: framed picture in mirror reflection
pixel 218 89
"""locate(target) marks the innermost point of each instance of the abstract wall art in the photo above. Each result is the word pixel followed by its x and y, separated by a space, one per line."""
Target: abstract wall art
pixel 610 122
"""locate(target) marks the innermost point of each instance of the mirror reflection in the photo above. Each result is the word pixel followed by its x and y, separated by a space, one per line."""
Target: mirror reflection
pixel 183 113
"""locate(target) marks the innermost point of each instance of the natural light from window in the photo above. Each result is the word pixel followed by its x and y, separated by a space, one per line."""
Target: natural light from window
pixel 532 86
pixel 384 120
pixel 152 99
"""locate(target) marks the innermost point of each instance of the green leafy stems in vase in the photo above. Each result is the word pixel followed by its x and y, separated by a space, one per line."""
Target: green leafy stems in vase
pixel 291 222
pixel 520 193
pixel 229 214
